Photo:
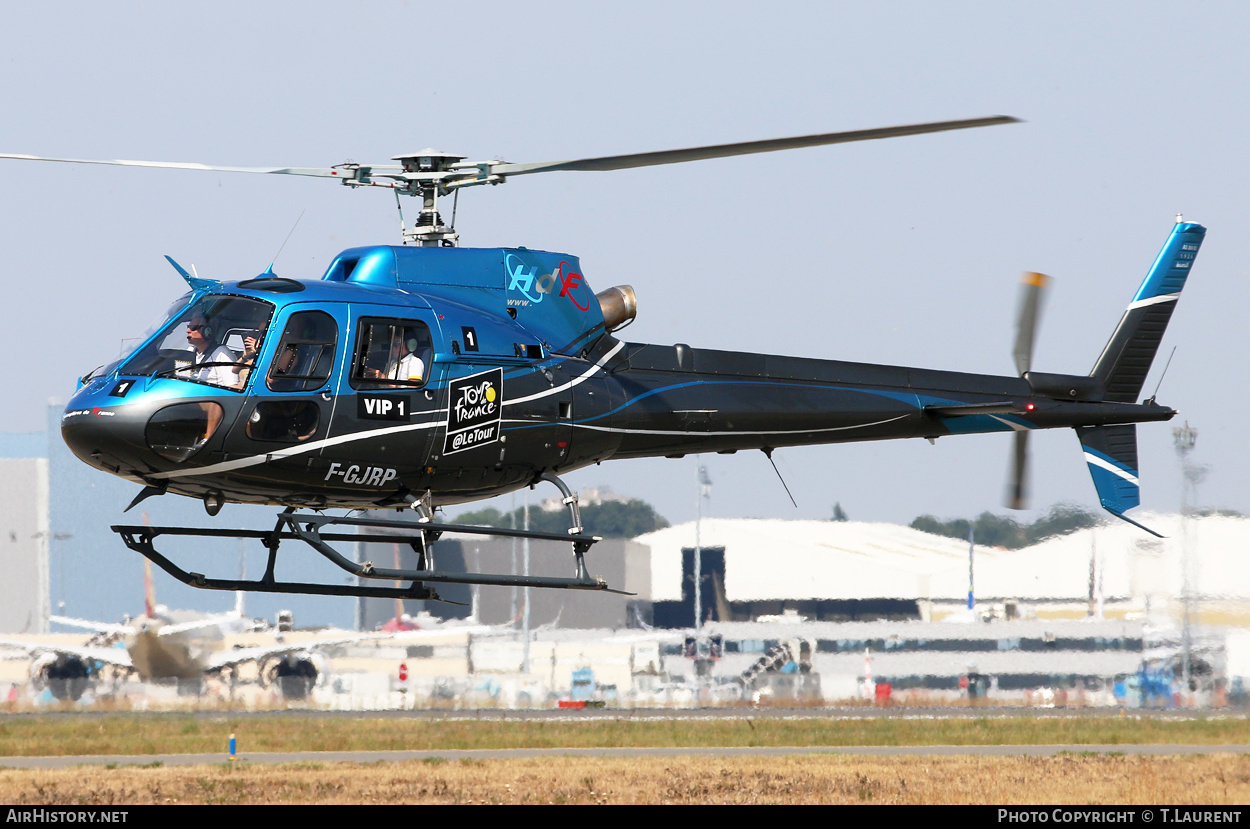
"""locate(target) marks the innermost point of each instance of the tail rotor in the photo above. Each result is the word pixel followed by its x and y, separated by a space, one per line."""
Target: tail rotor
pixel 1033 286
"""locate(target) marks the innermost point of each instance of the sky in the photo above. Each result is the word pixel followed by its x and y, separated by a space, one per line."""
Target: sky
pixel 906 251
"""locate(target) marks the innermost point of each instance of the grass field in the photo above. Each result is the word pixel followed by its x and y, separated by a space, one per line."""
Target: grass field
pixel 136 734
pixel 1073 778
pixel 1066 779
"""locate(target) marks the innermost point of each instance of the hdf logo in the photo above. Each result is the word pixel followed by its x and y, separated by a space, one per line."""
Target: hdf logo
pixel 526 279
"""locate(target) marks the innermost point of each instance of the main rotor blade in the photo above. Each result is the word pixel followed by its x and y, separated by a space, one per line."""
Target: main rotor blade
pixel 621 162
pixel 615 162
pixel 321 172
pixel 1032 286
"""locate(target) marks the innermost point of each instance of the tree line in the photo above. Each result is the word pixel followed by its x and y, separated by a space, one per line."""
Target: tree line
pixel 611 519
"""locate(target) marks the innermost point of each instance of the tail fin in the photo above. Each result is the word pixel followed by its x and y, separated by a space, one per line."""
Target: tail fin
pixel 149 587
pixel 149 591
pixel 1124 363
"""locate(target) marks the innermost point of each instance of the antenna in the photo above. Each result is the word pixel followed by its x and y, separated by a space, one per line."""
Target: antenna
pixel 1150 400
pixel 768 453
pixel 284 241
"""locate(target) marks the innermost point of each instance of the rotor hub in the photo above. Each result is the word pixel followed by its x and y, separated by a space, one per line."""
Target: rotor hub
pixel 427 161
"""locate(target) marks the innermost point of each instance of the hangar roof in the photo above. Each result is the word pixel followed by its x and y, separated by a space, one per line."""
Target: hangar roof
pixel 775 559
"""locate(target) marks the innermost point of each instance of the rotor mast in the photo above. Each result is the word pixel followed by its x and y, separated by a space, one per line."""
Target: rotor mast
pixel 425 174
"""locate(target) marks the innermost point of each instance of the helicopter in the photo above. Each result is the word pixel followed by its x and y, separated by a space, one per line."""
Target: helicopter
pixel 425 374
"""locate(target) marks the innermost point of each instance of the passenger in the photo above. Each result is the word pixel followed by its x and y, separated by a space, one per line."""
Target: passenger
pixel 404 364
pixel 408 367
pixel 251 350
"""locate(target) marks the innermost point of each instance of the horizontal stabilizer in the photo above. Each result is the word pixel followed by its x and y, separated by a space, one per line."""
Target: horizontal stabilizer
pixel 1111 453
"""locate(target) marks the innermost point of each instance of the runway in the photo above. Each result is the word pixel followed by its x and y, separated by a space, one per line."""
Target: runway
pixel 524 753
pixel 645 714
pixel 639 715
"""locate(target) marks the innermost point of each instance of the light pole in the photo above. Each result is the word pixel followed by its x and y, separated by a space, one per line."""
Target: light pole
pixel 972 546
pixel 705 491
pixel 1184 438
pixel 525 592
pixel 45 601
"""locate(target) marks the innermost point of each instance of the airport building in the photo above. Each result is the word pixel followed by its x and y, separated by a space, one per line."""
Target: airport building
pixel 625 565
pixel 855 571
pixel 847 571
pixel 858 605
pixel 24 542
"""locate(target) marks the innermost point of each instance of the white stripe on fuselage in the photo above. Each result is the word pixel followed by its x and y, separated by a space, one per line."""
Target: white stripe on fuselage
pixel 291 451
pixel 570 384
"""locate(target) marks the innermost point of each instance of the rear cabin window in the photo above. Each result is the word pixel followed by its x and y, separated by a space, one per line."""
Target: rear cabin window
pixel 305 355
pixel 391 354
pixel 286 421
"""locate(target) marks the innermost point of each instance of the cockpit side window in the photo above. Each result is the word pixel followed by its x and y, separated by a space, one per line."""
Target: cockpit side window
pixel 305 355
pixel 212 341
pixel 391 354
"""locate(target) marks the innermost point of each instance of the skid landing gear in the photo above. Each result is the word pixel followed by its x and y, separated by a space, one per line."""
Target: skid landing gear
pixel 310 529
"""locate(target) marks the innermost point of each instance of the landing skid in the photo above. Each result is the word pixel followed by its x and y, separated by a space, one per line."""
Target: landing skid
pixel 309 529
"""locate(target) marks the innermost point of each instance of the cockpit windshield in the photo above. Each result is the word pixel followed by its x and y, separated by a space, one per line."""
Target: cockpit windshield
pixel 214 341
pixel 131 343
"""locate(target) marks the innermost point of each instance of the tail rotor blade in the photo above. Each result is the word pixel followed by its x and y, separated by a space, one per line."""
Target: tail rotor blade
pixel 1018 486
pixel 1032 286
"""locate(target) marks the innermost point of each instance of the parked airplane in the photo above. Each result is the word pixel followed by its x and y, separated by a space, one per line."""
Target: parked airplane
pixel 178 646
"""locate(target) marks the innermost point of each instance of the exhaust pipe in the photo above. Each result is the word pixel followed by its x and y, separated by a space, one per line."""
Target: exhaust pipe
pixel 619 306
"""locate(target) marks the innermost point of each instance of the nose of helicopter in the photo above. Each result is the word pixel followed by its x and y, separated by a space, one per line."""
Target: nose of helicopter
pixel 133 432
pixel 97 435
pixel 106 430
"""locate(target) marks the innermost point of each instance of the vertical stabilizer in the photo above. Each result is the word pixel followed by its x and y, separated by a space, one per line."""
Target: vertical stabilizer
pixel 1111 453
pixel 1124 363
pixel 149 590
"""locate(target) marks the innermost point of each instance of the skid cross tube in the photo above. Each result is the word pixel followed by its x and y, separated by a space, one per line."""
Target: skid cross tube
pixel 308 528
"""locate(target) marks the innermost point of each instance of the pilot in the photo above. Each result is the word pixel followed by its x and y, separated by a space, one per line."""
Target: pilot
pixel 200 336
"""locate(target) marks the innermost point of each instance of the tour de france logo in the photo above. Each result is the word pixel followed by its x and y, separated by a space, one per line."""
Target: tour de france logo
pixel 474 410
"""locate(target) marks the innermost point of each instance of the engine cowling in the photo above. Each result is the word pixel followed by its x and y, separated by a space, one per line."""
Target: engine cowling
pixel 294 674
pixel 66 677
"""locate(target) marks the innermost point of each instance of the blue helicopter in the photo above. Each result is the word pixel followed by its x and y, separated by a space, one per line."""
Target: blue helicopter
pixel 425 374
